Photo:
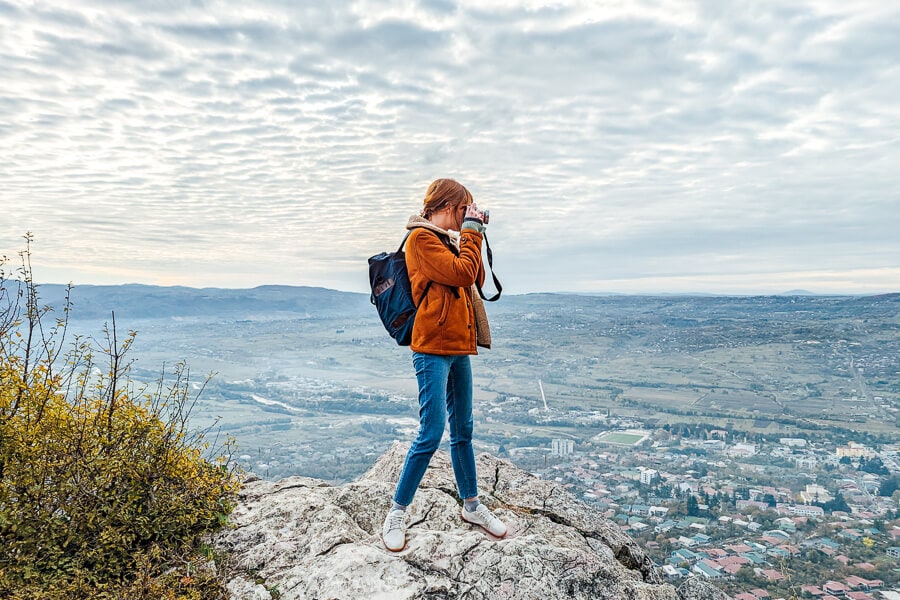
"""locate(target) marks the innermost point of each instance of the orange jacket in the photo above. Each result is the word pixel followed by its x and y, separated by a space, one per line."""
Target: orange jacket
pixel 445 322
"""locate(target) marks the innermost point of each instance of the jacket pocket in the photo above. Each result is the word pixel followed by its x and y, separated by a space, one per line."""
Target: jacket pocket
pixel 445 306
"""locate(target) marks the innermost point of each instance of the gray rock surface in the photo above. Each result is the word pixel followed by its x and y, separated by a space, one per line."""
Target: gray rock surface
pixel 300 538
pixel 695 589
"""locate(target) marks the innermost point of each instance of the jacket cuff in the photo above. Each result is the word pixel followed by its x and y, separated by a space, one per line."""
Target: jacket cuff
pixel 472 225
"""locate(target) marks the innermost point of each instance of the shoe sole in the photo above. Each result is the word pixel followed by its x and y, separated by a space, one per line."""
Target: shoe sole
pixel 389 549
pixel 462 515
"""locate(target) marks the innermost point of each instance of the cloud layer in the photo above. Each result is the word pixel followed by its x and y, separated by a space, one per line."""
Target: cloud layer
pixel 676 146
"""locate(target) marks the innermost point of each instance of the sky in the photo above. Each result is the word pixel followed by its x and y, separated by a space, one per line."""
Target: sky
pixel 639 146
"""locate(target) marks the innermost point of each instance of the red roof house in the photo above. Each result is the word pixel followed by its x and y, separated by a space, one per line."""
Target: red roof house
pixel 772 574
pixel 835 587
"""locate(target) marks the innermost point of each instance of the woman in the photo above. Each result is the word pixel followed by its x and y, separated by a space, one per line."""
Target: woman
pixel 442 271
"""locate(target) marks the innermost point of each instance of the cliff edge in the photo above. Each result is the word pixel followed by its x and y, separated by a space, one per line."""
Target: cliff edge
pixel 301 538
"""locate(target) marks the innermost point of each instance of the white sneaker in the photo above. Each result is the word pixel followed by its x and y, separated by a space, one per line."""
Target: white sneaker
pixel 485 518
pixel 393 532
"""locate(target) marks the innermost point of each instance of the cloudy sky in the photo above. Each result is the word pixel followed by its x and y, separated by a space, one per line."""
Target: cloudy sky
pixel 637 146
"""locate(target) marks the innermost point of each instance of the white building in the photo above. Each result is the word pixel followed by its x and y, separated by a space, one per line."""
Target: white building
pixel 648 475
pixel 742 449
pixel 815 493
pixel 801 510
pixel 793 442
pixel 713 445
pixel 560 447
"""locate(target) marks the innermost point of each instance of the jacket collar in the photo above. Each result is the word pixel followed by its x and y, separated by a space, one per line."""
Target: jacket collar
pixel 416 221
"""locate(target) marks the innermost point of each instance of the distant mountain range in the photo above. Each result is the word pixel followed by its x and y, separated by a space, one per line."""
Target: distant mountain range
pixel 134 301
pixel 138 301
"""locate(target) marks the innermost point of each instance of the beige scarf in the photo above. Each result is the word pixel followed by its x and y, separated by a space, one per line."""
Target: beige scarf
pixel 482 326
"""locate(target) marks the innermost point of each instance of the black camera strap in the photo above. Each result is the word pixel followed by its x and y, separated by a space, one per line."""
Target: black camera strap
pixel 490 257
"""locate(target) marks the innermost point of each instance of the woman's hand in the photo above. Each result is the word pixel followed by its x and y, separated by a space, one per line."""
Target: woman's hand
pixel 474 219
pixel 473 214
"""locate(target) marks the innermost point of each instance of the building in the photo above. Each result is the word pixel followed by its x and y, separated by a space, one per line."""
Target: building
pixel 815 493
pixel 560 447
pixel 742 449
pixel 673 572
pixel 854 450
pixel 771 574
pixel 801 510
pixel 707 571
pixel 793 442
pixel 658 511
pixel 713 445
pixel 683 555
pixel 835 588
pixel 806 463
pixel 648 475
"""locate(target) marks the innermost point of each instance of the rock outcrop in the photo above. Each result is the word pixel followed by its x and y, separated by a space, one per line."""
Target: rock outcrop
pixel 300 538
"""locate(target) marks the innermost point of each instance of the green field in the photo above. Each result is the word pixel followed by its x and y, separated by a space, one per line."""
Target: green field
pixel 621 438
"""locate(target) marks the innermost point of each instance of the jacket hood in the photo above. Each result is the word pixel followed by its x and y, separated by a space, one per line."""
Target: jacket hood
pixel 420 221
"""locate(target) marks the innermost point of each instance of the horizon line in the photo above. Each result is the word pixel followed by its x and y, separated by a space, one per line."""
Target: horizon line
pixel 787 293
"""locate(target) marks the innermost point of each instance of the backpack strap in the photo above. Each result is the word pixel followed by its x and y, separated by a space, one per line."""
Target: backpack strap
pixel 403 243
pixel 428 285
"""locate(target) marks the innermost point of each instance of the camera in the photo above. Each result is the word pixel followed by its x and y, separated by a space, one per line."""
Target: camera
pixel 486 214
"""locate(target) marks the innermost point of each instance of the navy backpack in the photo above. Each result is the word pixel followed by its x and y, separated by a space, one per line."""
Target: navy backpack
pixel 392 295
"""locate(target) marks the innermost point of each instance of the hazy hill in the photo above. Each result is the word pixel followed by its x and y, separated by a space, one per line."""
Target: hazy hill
pixel 135 301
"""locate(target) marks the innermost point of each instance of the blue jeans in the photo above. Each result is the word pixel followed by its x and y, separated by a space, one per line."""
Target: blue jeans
pixel 445 389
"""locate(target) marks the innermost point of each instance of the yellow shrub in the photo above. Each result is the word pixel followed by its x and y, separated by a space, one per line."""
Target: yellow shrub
pixel 104 492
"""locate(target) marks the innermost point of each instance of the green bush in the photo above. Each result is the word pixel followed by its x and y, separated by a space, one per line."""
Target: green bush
pixel 104 491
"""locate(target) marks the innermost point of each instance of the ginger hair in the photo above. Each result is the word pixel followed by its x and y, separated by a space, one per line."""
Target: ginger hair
pixel 443 193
